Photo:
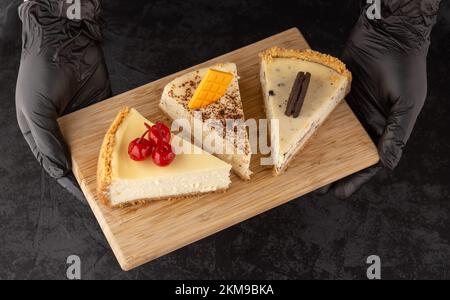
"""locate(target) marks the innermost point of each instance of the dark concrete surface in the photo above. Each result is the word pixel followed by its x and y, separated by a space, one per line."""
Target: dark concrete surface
pixel 404 217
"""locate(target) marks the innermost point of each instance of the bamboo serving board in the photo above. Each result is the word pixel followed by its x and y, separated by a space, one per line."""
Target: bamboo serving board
pixel 138 235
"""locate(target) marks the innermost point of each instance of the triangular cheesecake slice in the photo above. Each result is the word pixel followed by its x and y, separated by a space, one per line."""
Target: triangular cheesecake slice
pixel 122 181
pixel 329 82
pixel 175 103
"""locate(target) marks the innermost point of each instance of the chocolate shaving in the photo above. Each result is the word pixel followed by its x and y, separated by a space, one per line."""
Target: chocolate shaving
pixel 298 95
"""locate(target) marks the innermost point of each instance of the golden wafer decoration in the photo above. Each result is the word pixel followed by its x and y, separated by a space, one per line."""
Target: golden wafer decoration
pixel 212 87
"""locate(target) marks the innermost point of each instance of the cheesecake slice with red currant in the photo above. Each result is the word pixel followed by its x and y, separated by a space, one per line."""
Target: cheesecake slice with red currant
pixel 137 164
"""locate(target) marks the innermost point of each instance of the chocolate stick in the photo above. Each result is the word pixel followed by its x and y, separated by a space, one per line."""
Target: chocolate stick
pixel 302 96
pixel 295 93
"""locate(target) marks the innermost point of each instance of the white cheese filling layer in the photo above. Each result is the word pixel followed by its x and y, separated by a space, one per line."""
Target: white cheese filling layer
pixel 326 90
pixel 239 162
pixel 123 191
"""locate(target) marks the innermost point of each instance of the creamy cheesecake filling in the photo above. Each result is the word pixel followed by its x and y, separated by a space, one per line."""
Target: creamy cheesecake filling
pixel 239 162
pixel 188 174
pixel 123 191
pixel 327 88
pixel 176 96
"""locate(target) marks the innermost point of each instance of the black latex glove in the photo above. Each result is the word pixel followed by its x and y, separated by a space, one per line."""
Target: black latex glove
pixel 62 70
pixel 388 60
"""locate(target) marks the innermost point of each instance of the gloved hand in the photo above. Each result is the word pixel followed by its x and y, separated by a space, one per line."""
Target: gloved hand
pixel 388 60
pixel 62 70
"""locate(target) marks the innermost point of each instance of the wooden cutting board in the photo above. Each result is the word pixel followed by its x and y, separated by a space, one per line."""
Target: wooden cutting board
pixel 139 235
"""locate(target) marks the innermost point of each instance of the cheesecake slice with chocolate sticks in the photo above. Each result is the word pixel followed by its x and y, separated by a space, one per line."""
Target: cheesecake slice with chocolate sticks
pixel 301 89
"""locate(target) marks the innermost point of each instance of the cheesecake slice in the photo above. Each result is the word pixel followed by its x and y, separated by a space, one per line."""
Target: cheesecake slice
pixel 175 102
pixel 329 82
pixel 122 181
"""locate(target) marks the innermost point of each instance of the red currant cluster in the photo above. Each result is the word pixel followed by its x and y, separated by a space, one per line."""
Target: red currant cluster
pixel 155 142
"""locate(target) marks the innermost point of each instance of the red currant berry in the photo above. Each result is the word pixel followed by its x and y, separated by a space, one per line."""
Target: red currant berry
pixel 163 154
pixel 159 133
pixel 140 149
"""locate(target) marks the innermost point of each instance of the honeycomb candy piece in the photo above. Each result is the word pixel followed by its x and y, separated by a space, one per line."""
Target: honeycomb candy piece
pixel 212 87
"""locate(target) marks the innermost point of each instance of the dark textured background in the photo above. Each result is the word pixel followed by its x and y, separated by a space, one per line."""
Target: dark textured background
pixel 403 217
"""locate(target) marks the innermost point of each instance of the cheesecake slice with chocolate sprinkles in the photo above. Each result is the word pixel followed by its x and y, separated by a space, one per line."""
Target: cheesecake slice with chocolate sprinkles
pixel 175 103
